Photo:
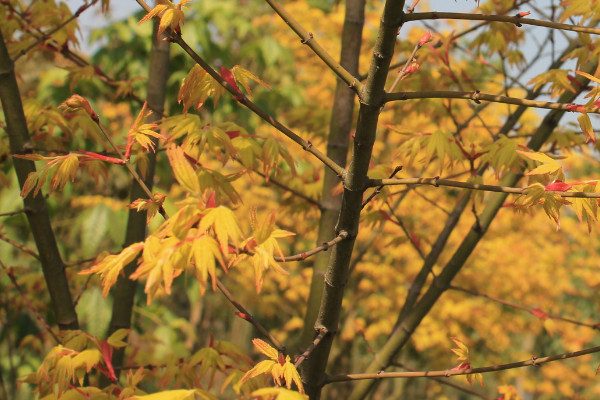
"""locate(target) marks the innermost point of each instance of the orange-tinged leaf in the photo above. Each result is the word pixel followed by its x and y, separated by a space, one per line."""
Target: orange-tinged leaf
pixel 266 349
pixel 64 167
pixel 243 76
pixel 179 394
pixel 462 351
pixel 586 128
pixel 290 374
pixel 262 367
pixel 110 267
pixel 590 77
pixel 277 393
pixel 142 133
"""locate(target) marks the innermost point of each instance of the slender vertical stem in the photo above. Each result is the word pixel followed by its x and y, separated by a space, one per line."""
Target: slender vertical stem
pixel 53 266
pixel 337 149
pixel 136 222
pixel 336 276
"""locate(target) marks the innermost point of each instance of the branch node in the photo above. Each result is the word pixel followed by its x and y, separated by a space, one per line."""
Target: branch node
pixel 475 97
pixel 436 181
pixel 310 37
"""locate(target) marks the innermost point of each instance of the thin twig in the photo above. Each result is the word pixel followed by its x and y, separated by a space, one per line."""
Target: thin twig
pixel 474 186
pixel 32 308
pixel 16 212
pixel 296 193
pixel 533 361
pixel 399 222
pixel 378 190
pixel 478 96
pixel 19 246
pixel 306 254
pixel 46 35
pixel 308 39
pixel 446 382
pixel 500 18
pixel 243 313
pixel 244 100
pixel 310 348
pixel 532 310
pixel 402 72
pixel 131 170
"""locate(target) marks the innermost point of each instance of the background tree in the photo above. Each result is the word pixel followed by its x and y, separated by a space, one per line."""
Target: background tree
pixel 252 147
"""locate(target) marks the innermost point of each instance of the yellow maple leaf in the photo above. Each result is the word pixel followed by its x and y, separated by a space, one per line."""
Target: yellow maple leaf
pixel 110 267
pixel 169 14
pixel 142 133
pixel 549 165
pixel 279 368
pixel 152 206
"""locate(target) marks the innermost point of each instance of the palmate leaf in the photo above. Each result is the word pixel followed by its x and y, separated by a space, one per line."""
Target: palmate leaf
pixel 549 166
pixel 558 79
pixel 152 206
pixel 142 133
pixel 279 368
pixel 65 167
pixel 180 394
pixel 197 87
pixel 169 13
pixel 586 128
pixel 223 222
pixel 204 252
pixel 501 155
pixel 279 394
pixel 243 76
pixel 587 208
pixel 551 202
pixel 110 267
pixel 183 170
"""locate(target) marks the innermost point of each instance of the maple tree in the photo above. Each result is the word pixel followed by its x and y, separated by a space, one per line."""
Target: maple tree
pixel 294 220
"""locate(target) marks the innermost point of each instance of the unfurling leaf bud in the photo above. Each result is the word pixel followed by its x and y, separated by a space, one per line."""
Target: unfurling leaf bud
pixel 77 102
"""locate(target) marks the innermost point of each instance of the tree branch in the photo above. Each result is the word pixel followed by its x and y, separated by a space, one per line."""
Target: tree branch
pixel 473 186
pixel 38 218
pixel 46 35
pixel 308 39
pixel 411 319
pixel 532 310
pixel 243 313
pixel 533 361
pixel 500 18
pixel 244 100
pixel 478 96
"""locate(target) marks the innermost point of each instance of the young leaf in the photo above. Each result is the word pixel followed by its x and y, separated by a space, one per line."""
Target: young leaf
pixel 243 76
pixel 586 128
pixel 170 15
pixel 65 168
pixel 203 253
pixel 549 166
pixel 110 267
pixel 142 133
pixel 224 224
